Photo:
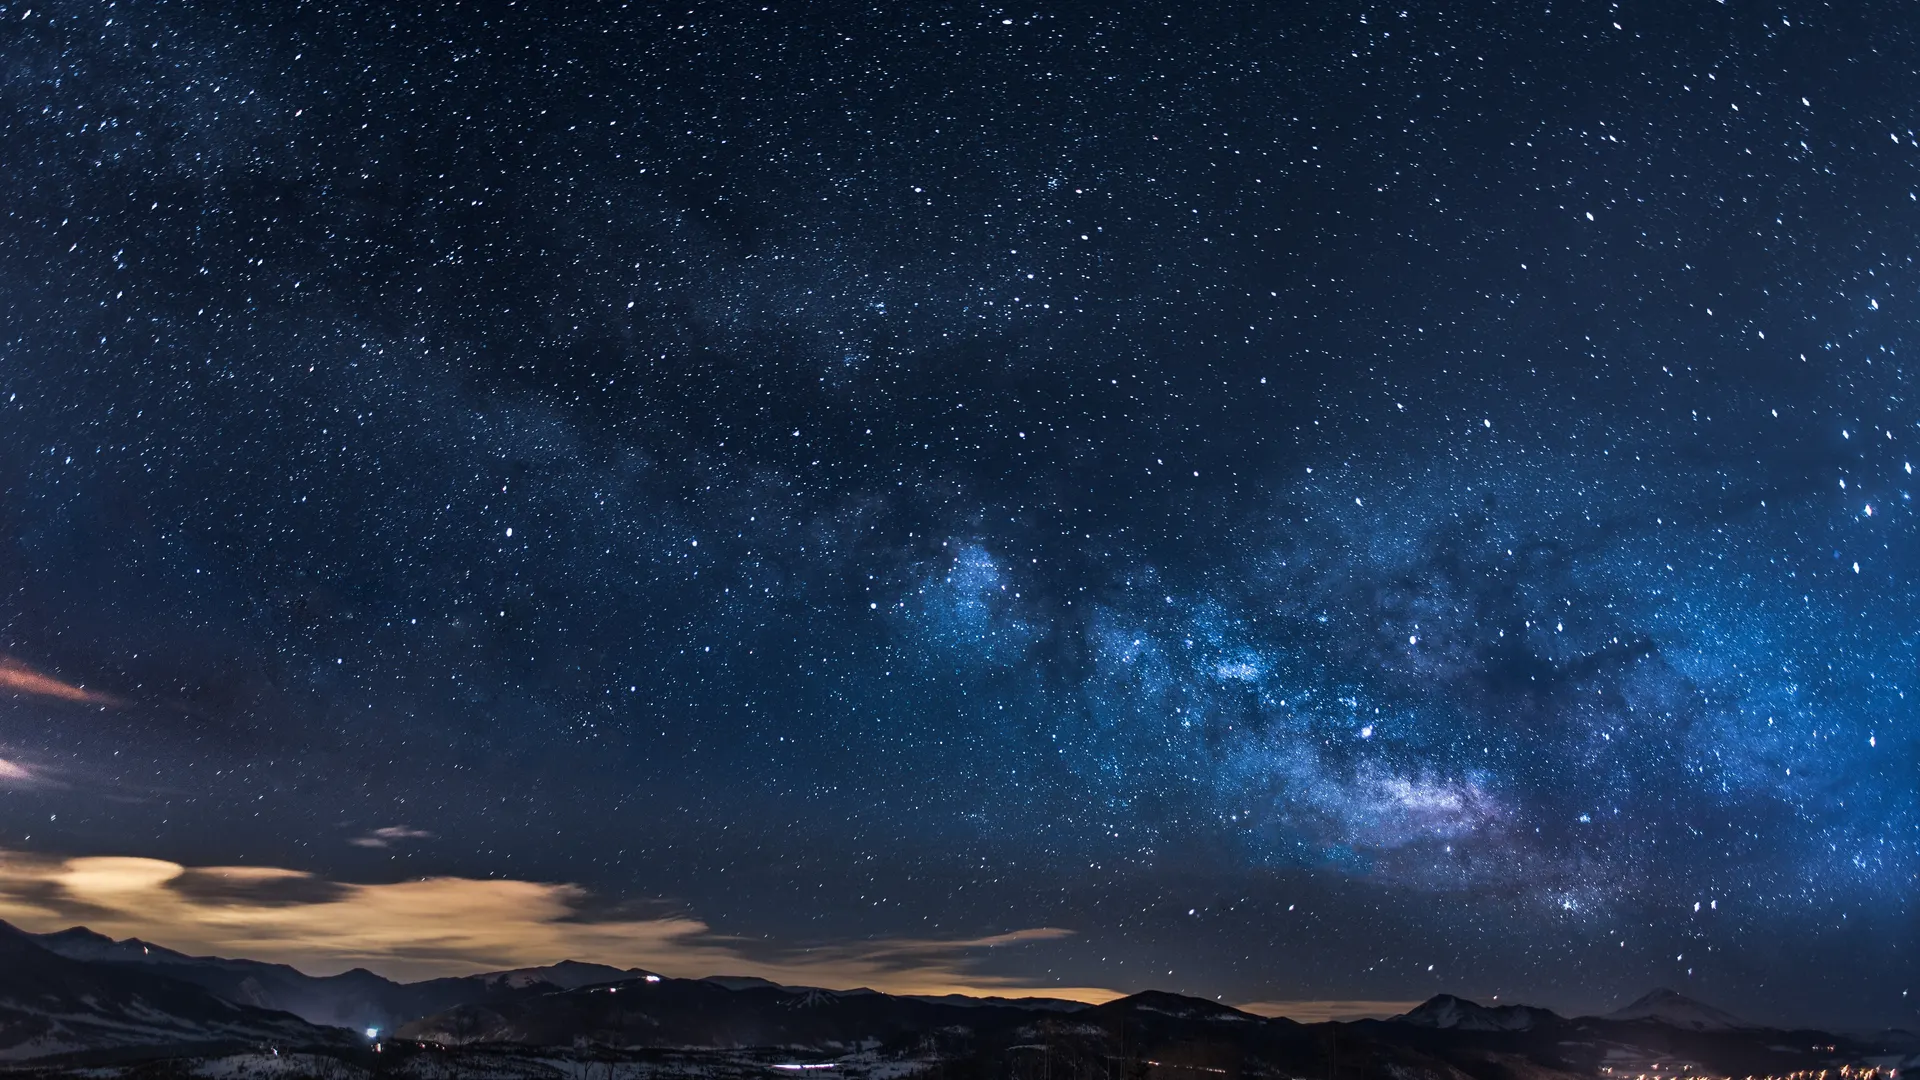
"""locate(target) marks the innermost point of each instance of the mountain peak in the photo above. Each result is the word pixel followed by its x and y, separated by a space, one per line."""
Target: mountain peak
pixel 740 982
pixel 1175 1005
pixel 1674 1009
pixel 81 943
pixel 50 1003
pixel 1448 1011
pixel 78 935
pixel 567 975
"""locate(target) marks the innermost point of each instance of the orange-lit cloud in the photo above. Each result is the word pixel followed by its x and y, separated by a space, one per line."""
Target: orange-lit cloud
pixel 14 774
pixel 1319 1011
pixel 450 926
pixel 21 679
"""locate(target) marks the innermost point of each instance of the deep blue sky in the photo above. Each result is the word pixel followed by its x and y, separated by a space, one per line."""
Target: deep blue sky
pixel 1319 500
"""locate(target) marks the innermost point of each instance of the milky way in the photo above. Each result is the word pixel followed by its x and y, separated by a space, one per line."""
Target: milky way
pixel 1320 502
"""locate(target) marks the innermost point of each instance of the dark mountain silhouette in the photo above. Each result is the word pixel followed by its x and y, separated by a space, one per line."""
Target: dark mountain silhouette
pixel 1041 1003
pixel 1446 1038
pixel 1447 1011
pixel 714 1013
pixel 357 999
pixel 567 975
pixel 1659 1034
pixel 77 998
pixel 50 1004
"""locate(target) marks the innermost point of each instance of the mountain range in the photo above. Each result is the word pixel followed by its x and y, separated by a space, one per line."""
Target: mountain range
pixel 51 1004
pixel 76 999
pixel 357 999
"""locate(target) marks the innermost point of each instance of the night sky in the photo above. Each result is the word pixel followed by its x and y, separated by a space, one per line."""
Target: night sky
pixel 1286 502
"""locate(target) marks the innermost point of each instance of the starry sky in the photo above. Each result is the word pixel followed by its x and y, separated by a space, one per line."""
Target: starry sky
pixel 1293 503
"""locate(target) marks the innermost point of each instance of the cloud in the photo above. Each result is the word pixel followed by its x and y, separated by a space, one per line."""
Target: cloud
pixel 22 679
pixel 453 926
pixel 386 837
pixel 14 774
pixel 1319 1011
pixel 1038 933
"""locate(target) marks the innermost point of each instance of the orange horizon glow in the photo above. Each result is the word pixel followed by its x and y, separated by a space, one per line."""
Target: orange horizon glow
pixel 1317 1011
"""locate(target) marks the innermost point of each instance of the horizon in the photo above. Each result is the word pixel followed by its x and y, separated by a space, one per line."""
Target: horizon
pixel 1299 504
pixel 1305 1012
pixel 1302 1011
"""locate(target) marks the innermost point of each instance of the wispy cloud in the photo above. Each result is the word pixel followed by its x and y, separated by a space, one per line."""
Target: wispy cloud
pixel 389 836
pixel 449 925
pixel 21 679
pixel 1319 1011
pixel 14 774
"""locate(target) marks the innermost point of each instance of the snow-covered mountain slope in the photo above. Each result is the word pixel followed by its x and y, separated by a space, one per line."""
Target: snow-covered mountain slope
pixel 51 1004
pixel 1677 1010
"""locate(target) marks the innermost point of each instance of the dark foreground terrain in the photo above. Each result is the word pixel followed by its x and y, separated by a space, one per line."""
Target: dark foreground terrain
pixel 75 1004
